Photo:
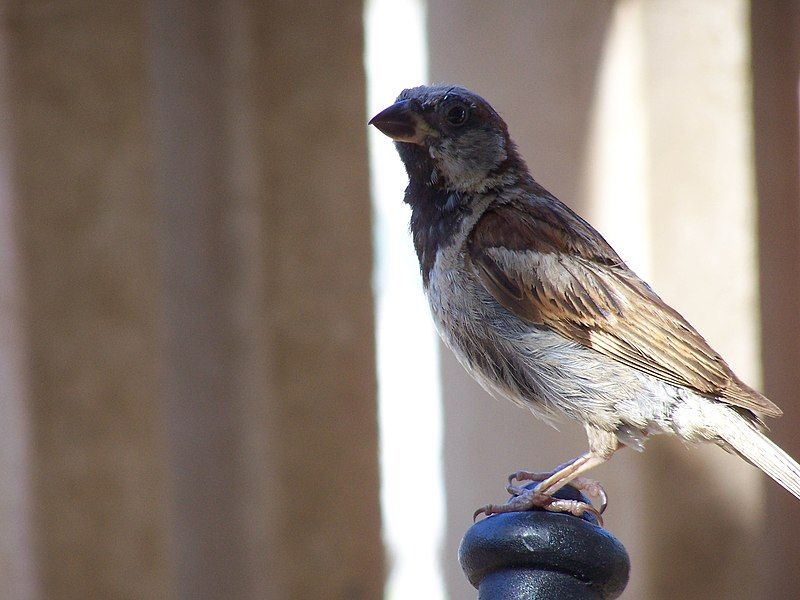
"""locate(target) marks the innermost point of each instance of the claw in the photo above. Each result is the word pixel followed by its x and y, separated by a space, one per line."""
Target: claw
pixel 575 507
pixel 483 510
pixel 530 499
pixel 593 489
pixel 527 476
pixel 515 490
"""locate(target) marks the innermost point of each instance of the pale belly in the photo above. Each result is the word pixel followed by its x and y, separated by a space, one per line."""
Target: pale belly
pixel 534 366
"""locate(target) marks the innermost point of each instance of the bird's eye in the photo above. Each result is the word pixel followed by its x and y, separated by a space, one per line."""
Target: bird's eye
pixel 457 115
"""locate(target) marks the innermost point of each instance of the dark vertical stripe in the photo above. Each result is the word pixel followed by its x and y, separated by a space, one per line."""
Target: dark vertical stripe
pixel 775 39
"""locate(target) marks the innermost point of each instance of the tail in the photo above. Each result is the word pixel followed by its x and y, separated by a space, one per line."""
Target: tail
pixel 742 435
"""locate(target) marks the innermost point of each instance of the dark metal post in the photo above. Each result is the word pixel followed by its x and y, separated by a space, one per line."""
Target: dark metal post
pixel 542 555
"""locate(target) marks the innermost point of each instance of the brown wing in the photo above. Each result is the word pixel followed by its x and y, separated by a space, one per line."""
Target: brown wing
pixel 576 284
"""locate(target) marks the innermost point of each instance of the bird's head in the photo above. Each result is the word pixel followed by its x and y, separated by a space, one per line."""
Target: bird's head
pixel 451 138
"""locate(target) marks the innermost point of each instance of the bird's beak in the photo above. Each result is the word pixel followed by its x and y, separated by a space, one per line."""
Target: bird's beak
pixel 402 123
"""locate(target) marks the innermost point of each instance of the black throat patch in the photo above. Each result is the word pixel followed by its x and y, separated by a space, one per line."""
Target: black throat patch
pixel 436 216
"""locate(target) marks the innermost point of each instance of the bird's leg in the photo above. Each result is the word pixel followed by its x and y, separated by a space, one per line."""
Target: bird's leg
pixel 602 445
pixel 571 474
pixel 590 487
pixel 537 476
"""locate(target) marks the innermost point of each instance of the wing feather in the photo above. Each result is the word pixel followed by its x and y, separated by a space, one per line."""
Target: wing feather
pixel 548 266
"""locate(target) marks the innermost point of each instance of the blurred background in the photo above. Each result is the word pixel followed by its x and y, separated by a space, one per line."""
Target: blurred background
pixel 218 377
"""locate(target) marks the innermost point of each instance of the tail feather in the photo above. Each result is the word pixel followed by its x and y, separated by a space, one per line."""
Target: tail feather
pixel 758 449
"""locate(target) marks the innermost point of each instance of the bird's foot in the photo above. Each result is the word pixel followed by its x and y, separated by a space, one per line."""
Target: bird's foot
pixel 590 487
pixel 530 499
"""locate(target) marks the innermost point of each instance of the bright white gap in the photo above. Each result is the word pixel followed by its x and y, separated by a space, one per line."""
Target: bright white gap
pixel 617 149
pixel 410 412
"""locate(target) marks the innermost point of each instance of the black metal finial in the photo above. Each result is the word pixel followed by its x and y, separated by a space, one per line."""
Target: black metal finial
pixel 543 555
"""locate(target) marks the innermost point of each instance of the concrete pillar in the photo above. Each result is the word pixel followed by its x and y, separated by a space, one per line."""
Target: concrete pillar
pixel 271 383
pixel 193 217
pixel 311 135
pixel 86 216
pixel 212 316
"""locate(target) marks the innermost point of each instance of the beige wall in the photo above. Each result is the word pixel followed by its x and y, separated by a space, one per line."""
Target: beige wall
pixel 703 223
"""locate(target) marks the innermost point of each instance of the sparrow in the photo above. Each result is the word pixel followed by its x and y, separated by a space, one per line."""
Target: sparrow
pixel 541 310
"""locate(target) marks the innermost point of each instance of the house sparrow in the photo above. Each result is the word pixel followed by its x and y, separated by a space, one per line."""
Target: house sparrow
pixel 541 310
